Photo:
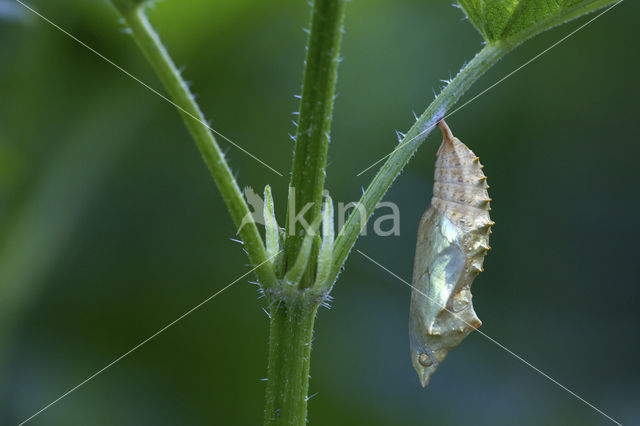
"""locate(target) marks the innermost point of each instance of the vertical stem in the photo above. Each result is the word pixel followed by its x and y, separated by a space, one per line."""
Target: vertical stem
pixel 293 318
pixel 290 337
pixel 314 120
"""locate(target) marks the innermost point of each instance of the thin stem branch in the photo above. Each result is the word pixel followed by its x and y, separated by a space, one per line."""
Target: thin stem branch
pixel 396 161
pixel 152 47
pixel 314 120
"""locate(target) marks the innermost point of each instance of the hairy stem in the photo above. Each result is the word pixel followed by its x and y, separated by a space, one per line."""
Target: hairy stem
pixel 314 120
pixel 396 161
pixel 150 44
pixel 290 337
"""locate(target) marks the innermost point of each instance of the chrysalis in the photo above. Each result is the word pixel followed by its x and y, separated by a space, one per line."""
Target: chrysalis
pixel 453 239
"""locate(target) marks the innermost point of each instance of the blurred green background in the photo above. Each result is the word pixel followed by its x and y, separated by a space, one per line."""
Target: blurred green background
pixel 111 227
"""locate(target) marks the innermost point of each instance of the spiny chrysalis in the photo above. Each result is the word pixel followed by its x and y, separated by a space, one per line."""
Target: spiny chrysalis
pixel 453 239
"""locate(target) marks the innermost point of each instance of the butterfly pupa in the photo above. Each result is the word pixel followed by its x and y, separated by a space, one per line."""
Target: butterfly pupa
pixel 453 238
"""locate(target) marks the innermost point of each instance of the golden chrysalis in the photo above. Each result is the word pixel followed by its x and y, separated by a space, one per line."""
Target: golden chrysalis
pixel 453 238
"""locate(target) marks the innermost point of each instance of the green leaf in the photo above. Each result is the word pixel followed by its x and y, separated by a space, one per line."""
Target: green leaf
pixel 325 257
pixel 514 21
pixel 272 231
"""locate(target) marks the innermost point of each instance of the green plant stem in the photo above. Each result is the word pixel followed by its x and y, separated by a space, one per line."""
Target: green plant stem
pixel 314 120
pixel 290 338
pixel 394 164
pixel 150 44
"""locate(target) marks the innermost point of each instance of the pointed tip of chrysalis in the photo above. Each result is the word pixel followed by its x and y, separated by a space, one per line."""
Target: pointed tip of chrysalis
pixel 424 370
pixel 447 137
pixel 446 131
pixel 424 381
